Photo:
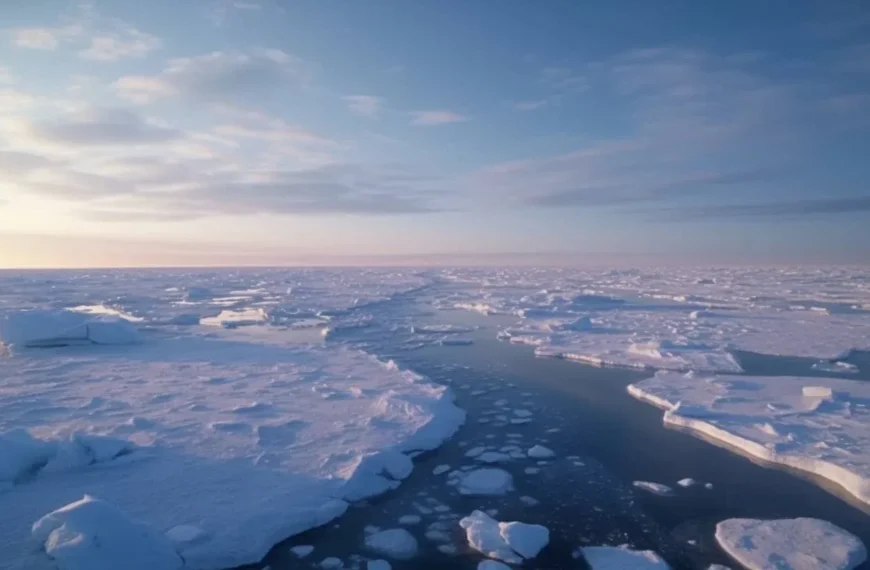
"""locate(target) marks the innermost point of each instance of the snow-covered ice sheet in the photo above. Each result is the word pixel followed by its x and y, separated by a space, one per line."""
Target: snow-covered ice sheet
pixel 819 425
pixel 242 435
pixel 618 558
pixel 790 544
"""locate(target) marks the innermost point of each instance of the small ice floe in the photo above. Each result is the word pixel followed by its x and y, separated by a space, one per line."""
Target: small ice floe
pixel 529 501
pixel 378 565
pixel 447 549
pixel 475 451
pixel 687 482
pixel 410 519
pixel 654 488
pixel 487 481
pixel 838 366
pixel 540 452
pixel 492 565
pixel 790 543
pixel 331 563
pixel 441 469
pixel 456 341
pixel 395 543
pixel 302 550
pixel 522 413
pixel 493 457
pixel 619 558
pixel 510 542
pixel 532 470
pixel 520 421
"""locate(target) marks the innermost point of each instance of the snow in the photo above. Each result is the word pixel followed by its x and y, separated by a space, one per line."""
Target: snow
pixel 618 558
pixel 396 543
pixel 302 550
pixel 91 534
pixel 507 541
pixel 818 425
pixel 540 452
pixel 654 488
pixel 275 438
pixel 48 328
pixel 789 544
pixel 487 481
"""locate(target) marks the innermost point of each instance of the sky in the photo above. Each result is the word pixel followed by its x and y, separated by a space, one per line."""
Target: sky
pixel 272 132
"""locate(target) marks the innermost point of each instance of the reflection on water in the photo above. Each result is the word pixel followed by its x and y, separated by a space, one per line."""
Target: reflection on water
pixel 603 440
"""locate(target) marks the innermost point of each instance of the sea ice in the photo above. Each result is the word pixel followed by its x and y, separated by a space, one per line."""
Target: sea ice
pixel 91 534
pixel 396 543
pixel 618 558
pixel 811 424
pixel 47 328
pixel 331 563
pixel 654 488
pixel 540 452
pixel 135 426
pixel 410 519
pixel 378 565
pixel 487 481
pixel 687 482
pixel 508 541
pixel 836 366
pixel 790 544
pixel 493 457
pixel 302 550
pixel 492 565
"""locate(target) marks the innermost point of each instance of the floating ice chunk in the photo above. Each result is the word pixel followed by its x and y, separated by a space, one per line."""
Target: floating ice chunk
pixel 410 519
pixel 91 534
pixel 185 534
pixel 447 549
pixel 396 543
pixel 522 413
pixel 540 452
pixel 493 457
pixel 492 565
pixel 302 550
pixel 331 563
pixel 717 567
pixel 378 565
pixel 838 367
pixel 487 481
pixel 790 544
pixel 520 421
pixel 824 392
pixel 687 482
pixel 507 541
pixel 532 470
pixel 618 558
pixel 654 488
pixel 530 501
pixel 437 536
pixel 197 293
pixel 474 451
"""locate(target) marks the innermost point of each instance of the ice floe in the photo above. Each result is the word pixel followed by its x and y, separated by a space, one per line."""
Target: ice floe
pixel 396 543
pixel 790 544
pixel 654 488
pixel 618 558
pixel 819 425
pixel 510 542
pixel 276 439
pixel 48 328
pixel 487 481
pixel 540 452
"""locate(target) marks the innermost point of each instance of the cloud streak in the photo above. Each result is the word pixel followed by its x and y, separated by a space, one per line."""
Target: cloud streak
pixel 436 117
pixel 365 105
pixel 769 210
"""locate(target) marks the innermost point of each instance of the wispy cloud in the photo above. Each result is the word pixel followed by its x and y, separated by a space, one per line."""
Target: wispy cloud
pixel 101 126
pixel 365 105
pixel 434 118
pixel 45 38
pixel 126 42
pixel 767 210
pixel 532 105
pixel 215 76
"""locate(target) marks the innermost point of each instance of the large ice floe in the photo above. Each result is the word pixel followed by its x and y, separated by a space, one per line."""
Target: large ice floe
pixel 212 447
pixel 510 542
pixel 817 425
pixel 619 558
pixel 790 544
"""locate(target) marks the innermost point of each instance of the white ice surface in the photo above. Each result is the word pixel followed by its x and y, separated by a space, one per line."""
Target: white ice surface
pixel 618 558
pixel 378 565
pixel 302 550
pixel 510 542
pixel 771 418
pixel 91 534
pixel 47 328
pixel 487 481
pixel 395 543
pixel 540 452
pixel 242 435
pixel 789 544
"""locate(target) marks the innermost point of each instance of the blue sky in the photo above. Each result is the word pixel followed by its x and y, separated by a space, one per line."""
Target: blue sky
pixel 276 131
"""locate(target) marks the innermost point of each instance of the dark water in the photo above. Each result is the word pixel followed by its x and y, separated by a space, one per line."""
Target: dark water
pixel 580 411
